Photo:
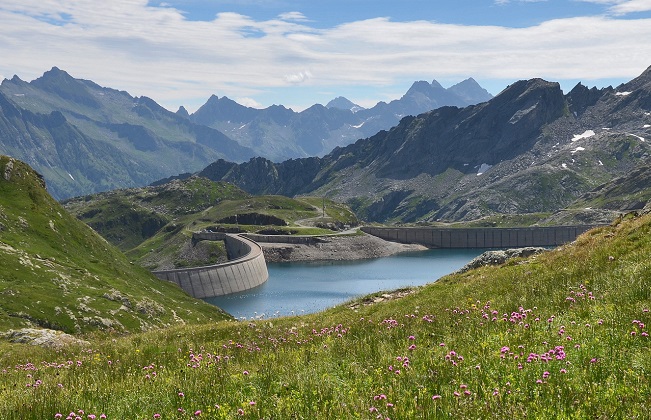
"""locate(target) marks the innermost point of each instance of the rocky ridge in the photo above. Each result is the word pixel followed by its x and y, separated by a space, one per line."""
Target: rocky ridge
pixel 531 149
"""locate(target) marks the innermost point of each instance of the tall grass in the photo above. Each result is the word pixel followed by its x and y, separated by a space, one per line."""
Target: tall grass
pixel 563 335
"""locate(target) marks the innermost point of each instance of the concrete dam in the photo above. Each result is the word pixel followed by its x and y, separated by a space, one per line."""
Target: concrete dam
pixel 480 237
pixel 246 268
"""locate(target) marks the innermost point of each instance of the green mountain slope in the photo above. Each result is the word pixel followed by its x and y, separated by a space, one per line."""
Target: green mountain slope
pixel 85 138
pixel 564 334
pixel 153 225
pixel 58 273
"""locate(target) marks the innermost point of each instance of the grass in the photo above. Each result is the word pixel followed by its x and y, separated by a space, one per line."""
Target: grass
pixel 563 335
pixel 55 272
pixel 153 225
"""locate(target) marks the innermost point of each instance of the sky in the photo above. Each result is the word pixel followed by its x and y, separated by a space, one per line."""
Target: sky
pixel 301 52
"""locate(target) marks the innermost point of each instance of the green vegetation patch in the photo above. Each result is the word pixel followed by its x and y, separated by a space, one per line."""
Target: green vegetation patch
pixel 561 335
pixel 58 273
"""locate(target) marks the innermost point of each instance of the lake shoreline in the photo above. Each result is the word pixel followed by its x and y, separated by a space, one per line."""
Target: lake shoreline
pixel 336 248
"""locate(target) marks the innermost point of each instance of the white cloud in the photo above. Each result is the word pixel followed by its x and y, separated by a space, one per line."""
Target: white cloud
pixel 631 7
pixel 293 16
pixel 157 52
pixel 299 77
pixel 250 102
pixel 623 7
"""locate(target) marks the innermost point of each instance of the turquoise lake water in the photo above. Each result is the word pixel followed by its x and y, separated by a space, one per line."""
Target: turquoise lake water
pixel 300 288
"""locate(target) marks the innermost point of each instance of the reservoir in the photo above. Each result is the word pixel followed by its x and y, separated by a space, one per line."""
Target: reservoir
pixel 305 287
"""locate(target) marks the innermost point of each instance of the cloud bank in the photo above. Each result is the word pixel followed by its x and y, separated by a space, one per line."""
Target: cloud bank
pixel 157 52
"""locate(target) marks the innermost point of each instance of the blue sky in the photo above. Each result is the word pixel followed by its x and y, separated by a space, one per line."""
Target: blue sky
pixel 299 52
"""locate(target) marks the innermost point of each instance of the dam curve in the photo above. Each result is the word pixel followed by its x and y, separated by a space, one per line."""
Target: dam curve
pixel 245 269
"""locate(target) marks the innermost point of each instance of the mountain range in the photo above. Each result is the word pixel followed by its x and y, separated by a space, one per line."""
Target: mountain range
pixel 85 138
pixel 278 133
pixel 531 149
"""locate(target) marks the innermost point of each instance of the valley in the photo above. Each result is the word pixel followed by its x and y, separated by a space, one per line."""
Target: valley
pixel 80 310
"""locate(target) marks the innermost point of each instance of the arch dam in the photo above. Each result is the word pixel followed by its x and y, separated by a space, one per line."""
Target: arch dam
pixel 480 237
pixel 246 268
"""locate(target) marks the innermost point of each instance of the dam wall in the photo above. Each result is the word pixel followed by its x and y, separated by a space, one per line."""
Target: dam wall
pixel 284 239
pixel 480 237
pixel 245 269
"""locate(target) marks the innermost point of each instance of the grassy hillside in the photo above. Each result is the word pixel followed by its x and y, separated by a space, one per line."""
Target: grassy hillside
pixel 58 273
pixel 562 335
pixel 154 225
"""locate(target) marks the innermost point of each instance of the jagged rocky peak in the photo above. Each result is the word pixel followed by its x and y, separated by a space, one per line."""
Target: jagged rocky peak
pixel 15 80
pixel 55 74
pixel 423 87
pixel 581 97
pixel 471 91
pixel 436 85
pixel 528 88
pixel 182 112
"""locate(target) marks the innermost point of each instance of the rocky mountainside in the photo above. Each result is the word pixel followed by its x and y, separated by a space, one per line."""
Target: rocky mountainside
pixel 278 133
pixel 531 149
pixel 58 273
pixel 85 138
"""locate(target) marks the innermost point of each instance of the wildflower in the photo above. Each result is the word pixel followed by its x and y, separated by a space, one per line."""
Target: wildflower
pixel 251 403
pixel 156 416
pixel 245 373
pixel 411 337
pixel 436 397
pixel 197 413
pixel 373 410
pixel 58 415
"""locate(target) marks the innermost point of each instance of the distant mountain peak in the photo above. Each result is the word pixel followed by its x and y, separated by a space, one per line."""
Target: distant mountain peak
pixel 470 91
pixel 436 85
pixel 55 72
pixel 183 112
pixel 342 103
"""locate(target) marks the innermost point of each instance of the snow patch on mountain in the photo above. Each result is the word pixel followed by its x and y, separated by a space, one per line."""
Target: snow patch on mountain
pixel 483 168
pixel 634 135
pixel 585 135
